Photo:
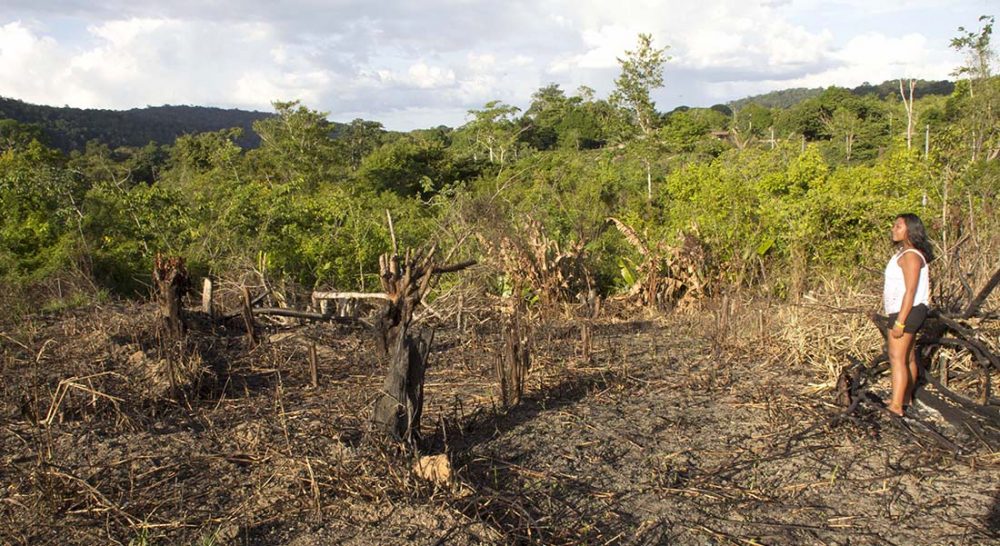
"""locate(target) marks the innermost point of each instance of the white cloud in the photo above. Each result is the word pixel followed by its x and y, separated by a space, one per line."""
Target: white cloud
pixel 404 61
pixel 869 57
pixel 430 77
pixel 28 62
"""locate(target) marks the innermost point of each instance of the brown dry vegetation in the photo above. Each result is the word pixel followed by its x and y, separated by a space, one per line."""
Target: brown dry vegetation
pixel 690 428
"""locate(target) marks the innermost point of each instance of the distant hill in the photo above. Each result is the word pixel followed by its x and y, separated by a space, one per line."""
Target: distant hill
pixel 784 98
pixel 787 98
pixel 71 128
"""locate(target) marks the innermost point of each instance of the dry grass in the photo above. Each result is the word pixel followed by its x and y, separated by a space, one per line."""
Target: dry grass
pixel 818 334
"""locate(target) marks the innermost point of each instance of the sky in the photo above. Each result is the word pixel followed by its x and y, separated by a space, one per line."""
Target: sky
pixel 422 63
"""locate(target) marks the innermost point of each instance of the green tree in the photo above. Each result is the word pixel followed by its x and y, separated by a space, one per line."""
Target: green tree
pixel 297 146
pixel 843 127
pixel 641 73
pixel 978 52
pixel 40 201
pixel 979 118
pixel 360 138
pixel 409 165
pixel 549 106
pixel 493 132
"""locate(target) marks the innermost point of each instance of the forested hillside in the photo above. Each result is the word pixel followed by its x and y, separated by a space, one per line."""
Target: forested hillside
pixel 71 128
pixel 776 197
pixel 786 98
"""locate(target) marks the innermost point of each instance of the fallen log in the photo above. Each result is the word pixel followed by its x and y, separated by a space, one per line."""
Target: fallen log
pixel 350 295
pixel 253 302
pixel 308 315
pixel 980 298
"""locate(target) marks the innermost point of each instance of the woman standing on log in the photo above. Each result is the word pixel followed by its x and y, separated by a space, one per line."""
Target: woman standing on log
pixel 905 298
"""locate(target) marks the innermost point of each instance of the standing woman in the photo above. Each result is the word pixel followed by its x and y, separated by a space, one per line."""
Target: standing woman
pixel 906 298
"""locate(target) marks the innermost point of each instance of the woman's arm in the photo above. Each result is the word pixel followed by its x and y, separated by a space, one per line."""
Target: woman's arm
pixel 910 264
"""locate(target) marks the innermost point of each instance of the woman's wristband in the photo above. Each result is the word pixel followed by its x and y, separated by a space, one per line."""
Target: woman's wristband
pixel 900 324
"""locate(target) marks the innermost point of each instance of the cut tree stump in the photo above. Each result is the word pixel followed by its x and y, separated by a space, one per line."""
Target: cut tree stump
pixel 171 281
pixel 206 297
pixel 406 281
pixel 398 410
pixel 514 359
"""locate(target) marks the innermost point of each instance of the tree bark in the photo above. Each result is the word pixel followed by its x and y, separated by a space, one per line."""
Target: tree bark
pixel 514 360
pixel 171 280
pixel 398 411
pixel 909 110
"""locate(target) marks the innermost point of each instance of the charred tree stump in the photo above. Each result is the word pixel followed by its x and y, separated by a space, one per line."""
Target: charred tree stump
pixel 514 360
pixel 248 322
pixel 406 280
pixel 398 410
pixel 171 280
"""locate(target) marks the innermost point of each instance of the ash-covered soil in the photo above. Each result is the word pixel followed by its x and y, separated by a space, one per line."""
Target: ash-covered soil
pixel 661 436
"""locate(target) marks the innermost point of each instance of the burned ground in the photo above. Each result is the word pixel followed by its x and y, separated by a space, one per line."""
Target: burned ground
pixel 661 435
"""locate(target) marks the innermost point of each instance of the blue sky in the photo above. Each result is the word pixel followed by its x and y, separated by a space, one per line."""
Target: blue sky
pixel 417 64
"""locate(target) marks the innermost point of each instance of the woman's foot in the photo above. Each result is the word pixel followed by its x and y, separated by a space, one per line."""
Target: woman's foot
pixel 898 412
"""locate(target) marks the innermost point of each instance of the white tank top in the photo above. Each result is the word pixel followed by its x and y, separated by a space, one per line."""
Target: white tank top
pixel 895 287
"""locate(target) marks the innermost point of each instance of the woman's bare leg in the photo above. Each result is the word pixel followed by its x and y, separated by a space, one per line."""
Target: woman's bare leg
pixel 914 371
pixel 899 349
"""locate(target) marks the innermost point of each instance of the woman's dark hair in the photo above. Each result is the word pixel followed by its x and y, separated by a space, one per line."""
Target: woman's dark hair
pixel 918 235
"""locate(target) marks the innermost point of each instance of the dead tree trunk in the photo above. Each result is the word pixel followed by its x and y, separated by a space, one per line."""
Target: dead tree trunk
pixel 908 104
pixel 171 280
pixel 406 280
pixel 399 409
pixel 514 360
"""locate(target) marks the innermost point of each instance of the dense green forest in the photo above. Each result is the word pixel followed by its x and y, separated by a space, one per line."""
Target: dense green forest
pixel 777 197
pixel 786 98
pixel 71 128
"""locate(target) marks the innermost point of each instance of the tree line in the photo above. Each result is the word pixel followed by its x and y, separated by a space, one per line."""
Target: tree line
pixel 777 196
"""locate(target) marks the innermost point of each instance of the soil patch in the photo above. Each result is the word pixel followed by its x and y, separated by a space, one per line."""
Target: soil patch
pixel 659 437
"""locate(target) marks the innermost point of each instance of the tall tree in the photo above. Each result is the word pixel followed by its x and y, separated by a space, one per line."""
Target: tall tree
pixel 978 52
pixel 981 116
pixel 548 108
pixel 297 145
pixel 361 138
pixel 642 72
pixel 494 131
pixel 843 125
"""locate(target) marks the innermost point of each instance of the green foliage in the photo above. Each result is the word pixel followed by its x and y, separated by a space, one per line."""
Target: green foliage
pixel 310 202
pixel 689 130
pixel 70 129
pixel 641 73
pixel 412 165
pixel 360 138
pixel 577 122
pixel 297 147
pixel 977 49
pixel 39 202
pixel 492 135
